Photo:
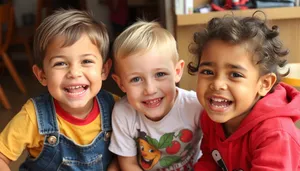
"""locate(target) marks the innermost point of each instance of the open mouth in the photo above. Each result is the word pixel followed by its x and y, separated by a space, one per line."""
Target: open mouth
pixel 146 164
pixel 219 104
pixel 153 102
pixel 76 90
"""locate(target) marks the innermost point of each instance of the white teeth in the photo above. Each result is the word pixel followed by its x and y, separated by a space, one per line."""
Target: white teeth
pixel 75 87
pixel 152 101
pixel 219 106
pixel 219 99
pixel 146 160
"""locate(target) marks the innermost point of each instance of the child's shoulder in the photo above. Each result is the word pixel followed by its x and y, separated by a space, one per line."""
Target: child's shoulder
pixel 26 114
pixel 107 95
pixel 187 96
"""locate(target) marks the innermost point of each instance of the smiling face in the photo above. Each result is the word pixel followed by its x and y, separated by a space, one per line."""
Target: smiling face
pixel 149 80
pixel 73 74
pixel 229 83
pixel 149 155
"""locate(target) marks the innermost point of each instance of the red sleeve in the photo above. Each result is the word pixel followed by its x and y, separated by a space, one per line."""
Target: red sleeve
pixel 277 151
pixel 206 161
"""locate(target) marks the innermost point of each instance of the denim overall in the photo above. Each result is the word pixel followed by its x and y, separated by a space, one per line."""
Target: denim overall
pixel 62 154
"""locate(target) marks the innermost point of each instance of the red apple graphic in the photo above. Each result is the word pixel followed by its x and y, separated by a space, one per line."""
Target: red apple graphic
pixel 173 148
pixel 186 135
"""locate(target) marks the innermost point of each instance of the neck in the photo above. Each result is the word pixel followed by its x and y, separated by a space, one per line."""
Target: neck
pixel 233 124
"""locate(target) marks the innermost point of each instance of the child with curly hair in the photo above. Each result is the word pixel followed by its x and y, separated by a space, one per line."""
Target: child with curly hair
pixel 248 121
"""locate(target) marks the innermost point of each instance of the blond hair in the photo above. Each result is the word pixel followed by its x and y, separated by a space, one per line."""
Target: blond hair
pixel 141 37
pixel 70 24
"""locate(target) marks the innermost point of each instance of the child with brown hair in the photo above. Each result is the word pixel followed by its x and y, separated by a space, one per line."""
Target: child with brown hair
pixel 69 127
pixel 249 118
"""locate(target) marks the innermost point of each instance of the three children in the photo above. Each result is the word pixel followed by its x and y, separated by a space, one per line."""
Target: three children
pixel 248 122
pixel 248 118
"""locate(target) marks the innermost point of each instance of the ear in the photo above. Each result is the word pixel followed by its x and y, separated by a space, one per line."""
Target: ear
pixel 179 70
pixel 39 74
pixel 106 69
pixel 118 81
pixel 267 82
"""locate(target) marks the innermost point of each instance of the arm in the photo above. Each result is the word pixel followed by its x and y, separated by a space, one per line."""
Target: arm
pixel 276 151
pixel 114 165
pixel 206 161
pixel 122 139
pixel 129 163
pixel 19 133
pixel 4 162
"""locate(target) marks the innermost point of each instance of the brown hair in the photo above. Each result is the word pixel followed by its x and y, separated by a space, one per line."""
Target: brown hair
pixel 70 24
pixel 262 42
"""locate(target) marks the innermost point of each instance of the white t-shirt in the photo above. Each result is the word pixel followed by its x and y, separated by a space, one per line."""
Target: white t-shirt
pixel 173 143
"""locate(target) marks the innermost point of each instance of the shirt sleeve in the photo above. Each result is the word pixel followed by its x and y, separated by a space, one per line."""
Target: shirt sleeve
pixel 206 162
pixel 277 151
pixel 19 133
pixel 122 140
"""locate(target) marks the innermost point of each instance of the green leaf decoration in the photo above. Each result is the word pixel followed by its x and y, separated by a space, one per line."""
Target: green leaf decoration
pixel 153 142
pixel 168 160
pixel 165 140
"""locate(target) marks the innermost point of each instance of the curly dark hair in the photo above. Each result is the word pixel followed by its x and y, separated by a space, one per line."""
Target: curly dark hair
pixel 263 42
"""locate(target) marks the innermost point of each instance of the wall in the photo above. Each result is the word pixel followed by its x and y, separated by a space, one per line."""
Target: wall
pixel 22 7
pixel 100 11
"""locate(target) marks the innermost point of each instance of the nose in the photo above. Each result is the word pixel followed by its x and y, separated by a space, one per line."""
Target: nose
pixel 74 71
pixel 150 88
pixel 218 83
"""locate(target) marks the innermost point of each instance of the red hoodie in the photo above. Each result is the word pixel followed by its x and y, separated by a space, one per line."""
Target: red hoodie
pixel 266 140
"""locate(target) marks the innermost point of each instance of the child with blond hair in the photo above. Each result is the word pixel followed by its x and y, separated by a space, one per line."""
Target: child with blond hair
pixel 156 124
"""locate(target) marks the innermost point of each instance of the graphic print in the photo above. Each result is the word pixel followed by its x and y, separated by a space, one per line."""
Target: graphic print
pixel 218 159
pixel 170 151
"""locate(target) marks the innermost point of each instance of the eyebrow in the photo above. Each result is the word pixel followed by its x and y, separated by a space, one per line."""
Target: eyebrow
pixel 239 67
pixel 83 55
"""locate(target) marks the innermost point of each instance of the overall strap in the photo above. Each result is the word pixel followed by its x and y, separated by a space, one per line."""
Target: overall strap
pixel 106 103
pixel 45 113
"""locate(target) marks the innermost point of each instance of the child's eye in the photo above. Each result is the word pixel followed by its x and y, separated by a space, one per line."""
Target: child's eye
pixel 135 79
pixel 206 72
pixel 86 61
pixel 235 75
pixel 160 74
pixel 59 64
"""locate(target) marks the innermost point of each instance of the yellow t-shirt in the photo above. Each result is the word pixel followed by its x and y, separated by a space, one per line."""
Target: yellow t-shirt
pixel 22 131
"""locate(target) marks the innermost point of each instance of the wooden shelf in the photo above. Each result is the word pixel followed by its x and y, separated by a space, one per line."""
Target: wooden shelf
pixel 272 14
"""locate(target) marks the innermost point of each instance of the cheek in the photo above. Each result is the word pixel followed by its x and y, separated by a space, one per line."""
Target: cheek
pixel 132 92
pixel 200 90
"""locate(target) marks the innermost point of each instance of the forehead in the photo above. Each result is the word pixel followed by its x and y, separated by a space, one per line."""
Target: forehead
pixel 221 52
pixel 145 61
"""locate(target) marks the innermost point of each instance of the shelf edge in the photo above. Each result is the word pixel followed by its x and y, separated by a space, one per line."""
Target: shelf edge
pixel 272 14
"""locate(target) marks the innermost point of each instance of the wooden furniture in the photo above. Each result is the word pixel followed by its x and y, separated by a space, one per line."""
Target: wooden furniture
pixel 24 34
pixel 287 18
pixel 7 18
pixel 293 78
pixel 3 99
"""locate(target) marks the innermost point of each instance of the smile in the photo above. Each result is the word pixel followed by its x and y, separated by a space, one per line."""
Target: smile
pixel 146 163
pixel 153 102
pixel 219 104
pixel 76 90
